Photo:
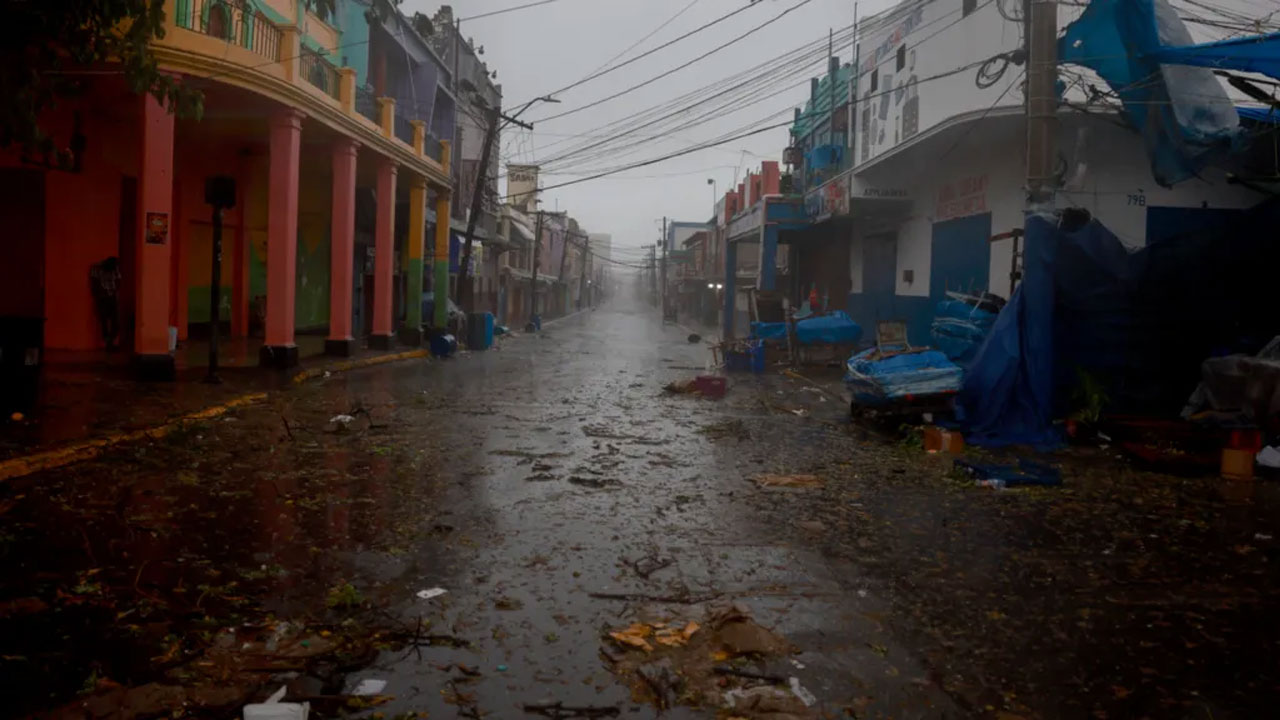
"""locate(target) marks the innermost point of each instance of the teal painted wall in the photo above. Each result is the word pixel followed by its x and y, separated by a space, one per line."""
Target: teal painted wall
pixel 353 50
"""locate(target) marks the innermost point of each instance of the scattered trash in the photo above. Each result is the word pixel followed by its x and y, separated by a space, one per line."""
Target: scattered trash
pixel 559 710
pixel 938 440
pixel 680 387
pixel 804 695
pixel 766 701
pixel 665 684
pixel 1269 456
pixel 327 373
pixel 799 665
pixel 1261 536
pixel 712 386
pixel 800 412
pixel 342 419
pixel 1237 463
pixel 369 687
pixel 1027 472
pixel 789 481
pixel 430 593
pixel 273 709
pixel 502 668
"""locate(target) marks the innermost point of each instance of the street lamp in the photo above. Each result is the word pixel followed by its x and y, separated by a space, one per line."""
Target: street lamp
pixel 714 195
pixel 711 286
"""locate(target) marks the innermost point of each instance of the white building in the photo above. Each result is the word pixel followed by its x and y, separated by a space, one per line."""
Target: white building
pixel 933 163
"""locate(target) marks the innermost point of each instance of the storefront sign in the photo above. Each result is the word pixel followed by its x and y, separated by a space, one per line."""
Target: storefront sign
pixel 746 222
pixel 157 228
pixel 828 200
pixel 966 196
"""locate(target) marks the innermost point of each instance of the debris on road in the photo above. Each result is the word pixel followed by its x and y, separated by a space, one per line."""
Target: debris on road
pixel 559 711
pixel 369 687
pixel 789 481
pixel 431 592
pixel 693 662
pixel 273 709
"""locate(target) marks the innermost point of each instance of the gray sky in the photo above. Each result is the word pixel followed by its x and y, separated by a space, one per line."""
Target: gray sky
pixel 544 48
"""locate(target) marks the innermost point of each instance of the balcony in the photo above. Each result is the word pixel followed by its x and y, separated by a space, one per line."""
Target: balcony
pixel 231 21
pixel 367 104
pixel 239 44
pixel 319 72
pixel 403 126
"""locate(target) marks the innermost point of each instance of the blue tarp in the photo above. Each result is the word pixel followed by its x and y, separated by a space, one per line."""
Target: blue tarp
pixel 874 379
pixel 834 328
pixel 1184 115
pixel 959 328
pixel 1007 397
pixel 1259 54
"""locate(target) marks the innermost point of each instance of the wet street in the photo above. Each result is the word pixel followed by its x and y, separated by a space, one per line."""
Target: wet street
pixel 557 494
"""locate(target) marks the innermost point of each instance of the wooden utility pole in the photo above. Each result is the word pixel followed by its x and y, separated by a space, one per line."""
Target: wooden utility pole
pixel 463 291
pixel 582 278
pixel 1042 101
pixel 663 270
pixel 533 272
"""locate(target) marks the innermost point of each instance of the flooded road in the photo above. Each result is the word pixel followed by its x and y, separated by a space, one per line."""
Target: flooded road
pixel 556 493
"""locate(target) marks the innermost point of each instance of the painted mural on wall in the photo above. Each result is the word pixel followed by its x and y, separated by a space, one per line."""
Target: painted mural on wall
pixel 907 80
pixel 888 83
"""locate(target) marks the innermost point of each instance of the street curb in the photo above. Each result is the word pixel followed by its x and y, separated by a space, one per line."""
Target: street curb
pixel 88 449
pixel 347 365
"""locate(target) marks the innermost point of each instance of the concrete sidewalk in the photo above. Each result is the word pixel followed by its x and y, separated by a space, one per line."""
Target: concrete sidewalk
pixel 86 404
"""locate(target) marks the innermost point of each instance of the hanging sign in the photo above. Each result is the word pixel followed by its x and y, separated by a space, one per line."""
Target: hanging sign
pixel 157 228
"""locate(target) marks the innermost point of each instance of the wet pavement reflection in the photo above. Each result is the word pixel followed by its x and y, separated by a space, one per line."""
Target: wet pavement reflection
pixel 556 493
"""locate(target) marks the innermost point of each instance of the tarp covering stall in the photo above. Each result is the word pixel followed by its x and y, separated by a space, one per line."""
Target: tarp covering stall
pixel 1142 323
pixel 834 328
pixel 1007 396
pixel 876 377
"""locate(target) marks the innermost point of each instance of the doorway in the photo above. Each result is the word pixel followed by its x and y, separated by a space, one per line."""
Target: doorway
pixel 879 277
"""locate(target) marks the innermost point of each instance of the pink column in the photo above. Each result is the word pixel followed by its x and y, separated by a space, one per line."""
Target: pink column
pixel 342 248
pixel 152 358
pixel 279 349
pixel 383 251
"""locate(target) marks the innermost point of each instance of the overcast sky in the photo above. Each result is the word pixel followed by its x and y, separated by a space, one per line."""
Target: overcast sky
pixel 541 49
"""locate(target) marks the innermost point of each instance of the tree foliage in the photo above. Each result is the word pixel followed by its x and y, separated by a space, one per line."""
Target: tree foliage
pixel 51 50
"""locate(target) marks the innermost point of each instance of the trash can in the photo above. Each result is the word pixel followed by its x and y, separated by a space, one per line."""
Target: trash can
pixel 480 331
pixel 21 357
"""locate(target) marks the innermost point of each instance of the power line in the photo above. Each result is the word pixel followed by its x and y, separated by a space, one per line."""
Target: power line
pixel 801 56
pixel 646 54
pixel 678 68
pixel 750 133
pixel 653 32
pixel 507 10
pixel 817 47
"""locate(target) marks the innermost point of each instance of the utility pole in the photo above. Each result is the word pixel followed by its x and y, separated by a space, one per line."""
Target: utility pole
pixel 533 272
pixel 582 278
pixel 653 273
pixel 663 266
pixel 492 115
pixel 1042 101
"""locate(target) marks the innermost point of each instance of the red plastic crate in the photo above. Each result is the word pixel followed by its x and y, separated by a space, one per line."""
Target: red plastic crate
pixel 712 386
